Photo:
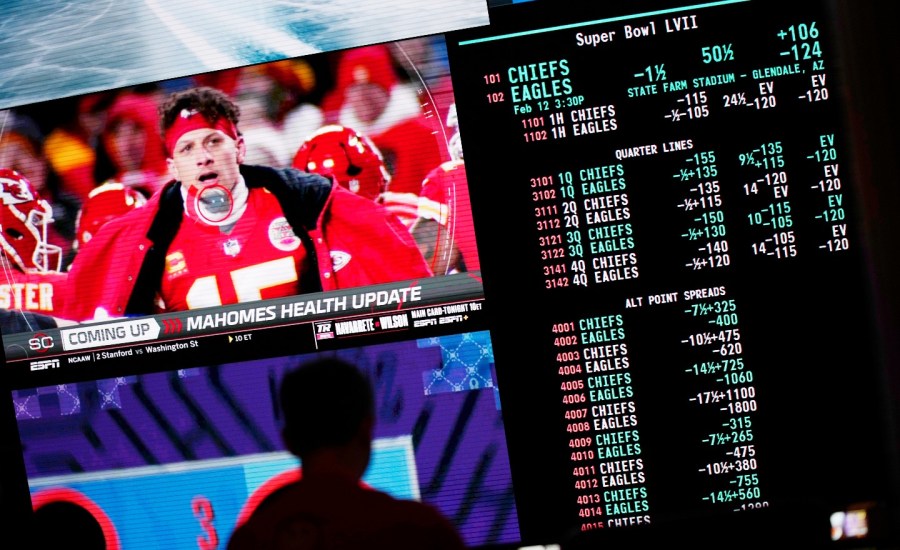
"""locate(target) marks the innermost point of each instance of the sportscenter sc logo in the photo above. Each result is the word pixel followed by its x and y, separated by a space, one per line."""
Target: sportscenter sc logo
pixel 40 342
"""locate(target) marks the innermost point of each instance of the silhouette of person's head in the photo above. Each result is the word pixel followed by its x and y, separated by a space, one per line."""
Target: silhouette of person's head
pixel 328 409
pixel 63 524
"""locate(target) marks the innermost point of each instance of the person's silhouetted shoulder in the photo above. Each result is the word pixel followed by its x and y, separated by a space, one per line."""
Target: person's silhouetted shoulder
pixel 338 513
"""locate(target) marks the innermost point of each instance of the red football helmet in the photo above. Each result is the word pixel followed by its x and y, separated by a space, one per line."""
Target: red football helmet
pixel 348 156
pixel 24 219
pixel 105 202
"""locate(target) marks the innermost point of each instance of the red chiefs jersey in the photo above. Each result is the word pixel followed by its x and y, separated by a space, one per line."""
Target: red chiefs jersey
pixel 38 292
pixel 331 511
pixel 355 241
pixel 260 258
pixel 445 199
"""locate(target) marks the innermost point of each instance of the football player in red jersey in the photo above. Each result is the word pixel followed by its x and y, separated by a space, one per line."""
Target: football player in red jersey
pixel 31 278
pixel 356 163
pixel 222 232
pixel 444 228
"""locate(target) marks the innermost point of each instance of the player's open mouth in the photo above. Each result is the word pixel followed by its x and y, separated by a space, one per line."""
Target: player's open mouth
pixel 208 177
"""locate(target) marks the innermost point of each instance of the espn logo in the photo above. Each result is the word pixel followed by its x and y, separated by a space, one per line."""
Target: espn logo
pixel 45 364
pixel 324 331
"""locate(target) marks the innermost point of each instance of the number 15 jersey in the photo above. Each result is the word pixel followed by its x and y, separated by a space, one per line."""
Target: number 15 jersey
pixel 259 258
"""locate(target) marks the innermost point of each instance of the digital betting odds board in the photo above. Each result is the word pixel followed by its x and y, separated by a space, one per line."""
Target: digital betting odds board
pixel 672 186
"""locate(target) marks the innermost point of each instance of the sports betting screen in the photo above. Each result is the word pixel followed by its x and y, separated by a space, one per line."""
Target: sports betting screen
pixel 619 273
pixel 680 201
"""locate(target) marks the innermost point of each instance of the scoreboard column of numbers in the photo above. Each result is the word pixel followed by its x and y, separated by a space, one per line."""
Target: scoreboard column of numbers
pixel 602 422
pixel 645 154
pixel 585 239
pixel 725 393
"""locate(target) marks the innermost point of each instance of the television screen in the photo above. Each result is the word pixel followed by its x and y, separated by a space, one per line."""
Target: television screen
pixel 372 244
pixel 620 273
pixel 167 459
pixel 681 203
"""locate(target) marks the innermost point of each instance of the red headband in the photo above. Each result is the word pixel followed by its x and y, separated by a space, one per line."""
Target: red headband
pixel 193 120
